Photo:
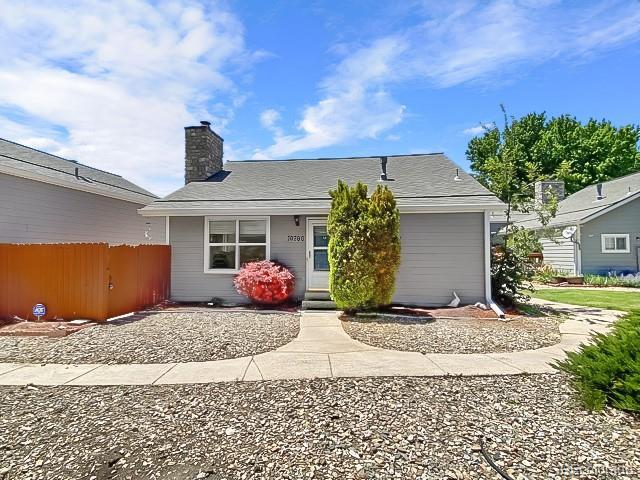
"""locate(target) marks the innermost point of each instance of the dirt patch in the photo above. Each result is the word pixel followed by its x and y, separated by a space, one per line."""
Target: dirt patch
pixel 41 329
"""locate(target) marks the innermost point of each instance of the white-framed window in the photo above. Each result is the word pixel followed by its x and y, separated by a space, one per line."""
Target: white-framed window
pixel 615 243
pixel 230 242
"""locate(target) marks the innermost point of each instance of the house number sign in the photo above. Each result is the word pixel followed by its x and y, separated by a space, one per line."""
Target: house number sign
pixel 295 238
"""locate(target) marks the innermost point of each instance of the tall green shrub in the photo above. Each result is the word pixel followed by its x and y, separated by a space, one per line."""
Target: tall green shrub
pixel 364 246
pixel 383 221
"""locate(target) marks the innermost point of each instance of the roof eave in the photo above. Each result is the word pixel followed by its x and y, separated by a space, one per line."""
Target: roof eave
pixel 30 175
pixel 610 207
pixel 153 211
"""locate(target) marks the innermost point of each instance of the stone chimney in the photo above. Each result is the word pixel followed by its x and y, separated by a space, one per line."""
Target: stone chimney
pixel 203 152
pixel 546 189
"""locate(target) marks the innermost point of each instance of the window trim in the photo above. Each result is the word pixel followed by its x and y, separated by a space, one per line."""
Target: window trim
pixel 236 218
pixel 605 236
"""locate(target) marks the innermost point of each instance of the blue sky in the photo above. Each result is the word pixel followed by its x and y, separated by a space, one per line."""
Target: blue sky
pixel 112 83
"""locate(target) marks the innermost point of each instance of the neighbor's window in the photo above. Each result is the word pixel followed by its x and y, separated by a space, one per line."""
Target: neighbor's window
pixel 615 243
pixel 232 242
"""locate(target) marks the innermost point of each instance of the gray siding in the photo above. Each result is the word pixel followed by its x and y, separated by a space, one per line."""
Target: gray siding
pixel 291 254
pixel 559 253
pixel 624 219
pixel 441 253
pixel 190 283
pixel 36 212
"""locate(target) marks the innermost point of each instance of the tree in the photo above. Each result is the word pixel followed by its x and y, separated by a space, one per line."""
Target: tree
pixel 503 176
pixel 364 246
pixel 561 148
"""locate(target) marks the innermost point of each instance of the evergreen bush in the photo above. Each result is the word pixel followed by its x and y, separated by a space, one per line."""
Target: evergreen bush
pixel 384 224
pixel 364 246
pixel 608 370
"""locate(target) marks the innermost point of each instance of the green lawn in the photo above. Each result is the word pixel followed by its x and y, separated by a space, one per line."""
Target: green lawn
pixel 592 298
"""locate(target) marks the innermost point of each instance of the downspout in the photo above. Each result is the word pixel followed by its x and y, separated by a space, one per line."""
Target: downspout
pixel 487 265
pixel 578 250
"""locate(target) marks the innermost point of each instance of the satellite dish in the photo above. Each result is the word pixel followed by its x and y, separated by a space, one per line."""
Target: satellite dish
pixel 569 231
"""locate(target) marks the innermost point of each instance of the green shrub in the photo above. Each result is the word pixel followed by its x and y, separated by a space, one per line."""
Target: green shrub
pixel 364 246
pixel 511 268
pixel 547 274
pixel 383 223
pixel 612 279
pixel 608 370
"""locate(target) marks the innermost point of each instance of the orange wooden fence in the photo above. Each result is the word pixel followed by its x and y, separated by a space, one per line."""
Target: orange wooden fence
pixel 82 280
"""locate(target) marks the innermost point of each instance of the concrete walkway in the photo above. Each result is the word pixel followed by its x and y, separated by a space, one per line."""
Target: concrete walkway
pixel 322 349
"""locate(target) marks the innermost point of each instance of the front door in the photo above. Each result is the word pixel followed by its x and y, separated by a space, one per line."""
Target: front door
pixel 317 254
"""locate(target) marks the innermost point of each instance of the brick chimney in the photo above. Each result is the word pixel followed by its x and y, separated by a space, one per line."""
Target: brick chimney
pixel 545 189
pixel 203 152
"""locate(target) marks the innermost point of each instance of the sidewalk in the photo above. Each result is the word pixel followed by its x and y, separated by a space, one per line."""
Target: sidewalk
pixel 322 349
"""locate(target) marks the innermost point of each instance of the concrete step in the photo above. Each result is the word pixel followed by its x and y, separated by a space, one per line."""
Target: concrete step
pixel 317 295
pixel 318 305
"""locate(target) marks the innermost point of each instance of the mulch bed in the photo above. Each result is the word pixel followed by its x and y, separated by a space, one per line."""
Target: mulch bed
pixel 466 311
pixel 378 428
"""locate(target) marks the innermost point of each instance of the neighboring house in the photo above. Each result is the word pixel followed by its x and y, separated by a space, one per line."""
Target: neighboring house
pixel 498 221
pixel 601 227
pixel 228 214
pixel 48 199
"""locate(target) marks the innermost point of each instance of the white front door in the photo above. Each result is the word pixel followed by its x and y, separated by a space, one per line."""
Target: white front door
pixel 317 255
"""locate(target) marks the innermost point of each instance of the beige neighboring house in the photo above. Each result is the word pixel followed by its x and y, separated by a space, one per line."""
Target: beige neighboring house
pixel 49 199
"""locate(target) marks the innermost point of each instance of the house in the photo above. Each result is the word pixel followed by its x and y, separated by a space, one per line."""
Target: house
pixel 498 221
pixel 48 199
pixel 596 230
pixel 228 214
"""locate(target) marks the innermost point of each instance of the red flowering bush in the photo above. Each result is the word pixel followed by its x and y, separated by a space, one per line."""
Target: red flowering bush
pixel 265 282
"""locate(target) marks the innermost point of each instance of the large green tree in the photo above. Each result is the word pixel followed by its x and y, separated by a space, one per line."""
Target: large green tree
pixel 562 148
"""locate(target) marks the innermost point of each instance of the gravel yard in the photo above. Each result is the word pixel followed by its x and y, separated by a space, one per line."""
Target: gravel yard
pixel 444 335
pixel 348 428
pixel 161 337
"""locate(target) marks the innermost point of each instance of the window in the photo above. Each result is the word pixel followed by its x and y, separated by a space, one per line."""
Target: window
pixel 231 242
pixel 615 243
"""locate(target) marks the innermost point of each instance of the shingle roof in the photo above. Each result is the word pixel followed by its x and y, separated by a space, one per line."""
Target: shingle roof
pixel 22 160
pixel 581 205
pixel 417 180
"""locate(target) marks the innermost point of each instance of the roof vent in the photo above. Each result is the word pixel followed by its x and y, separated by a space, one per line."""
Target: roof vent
pixel 629 192
pixel 599 194
pixel 77 173
pixel 383 164
pixel 205 123
pixel 457 177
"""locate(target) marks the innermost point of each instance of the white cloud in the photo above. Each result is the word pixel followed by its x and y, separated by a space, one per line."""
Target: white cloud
pixel 355 104
pixel 121 78
pixel 477 130
pixel 269 118
pixel 451 44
